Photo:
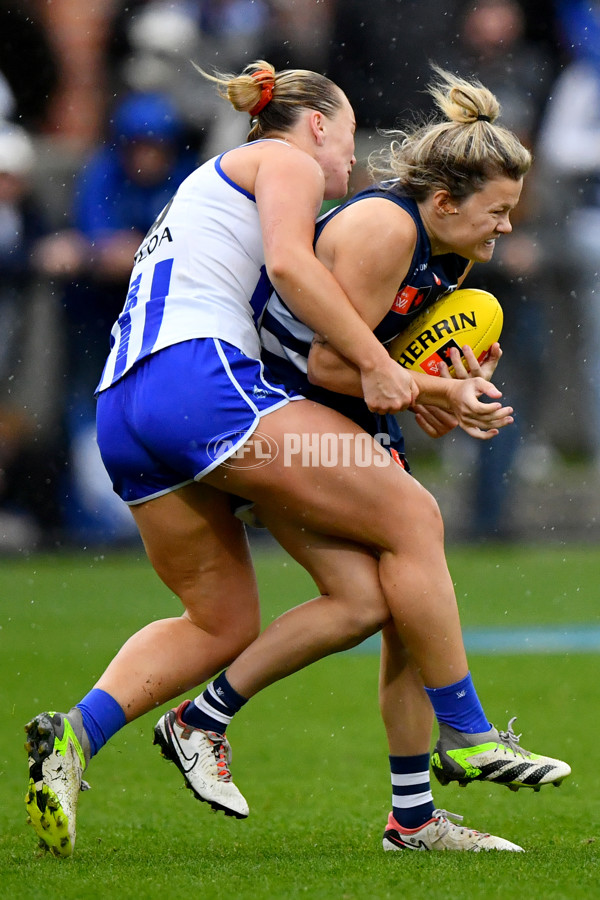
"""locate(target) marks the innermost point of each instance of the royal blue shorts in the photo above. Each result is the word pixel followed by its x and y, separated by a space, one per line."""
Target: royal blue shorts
pixel 180 413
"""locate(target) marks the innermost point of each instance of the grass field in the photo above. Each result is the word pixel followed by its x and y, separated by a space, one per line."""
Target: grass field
pixel 309 753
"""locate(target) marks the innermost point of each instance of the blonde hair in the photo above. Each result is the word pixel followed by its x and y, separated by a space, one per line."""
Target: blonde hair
pixel 293 90
pixel 459 154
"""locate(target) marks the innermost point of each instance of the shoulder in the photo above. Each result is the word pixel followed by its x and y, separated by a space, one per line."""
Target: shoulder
pixel 375 218
pixel 270 161
pixel 277 155
pixel 374 240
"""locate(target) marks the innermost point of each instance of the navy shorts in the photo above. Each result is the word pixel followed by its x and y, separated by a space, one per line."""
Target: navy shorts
pixel 179 413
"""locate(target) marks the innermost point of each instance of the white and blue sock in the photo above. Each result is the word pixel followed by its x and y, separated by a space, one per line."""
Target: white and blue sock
pixel 102 717
pixel 412 800
pixel 214 709
pixel 459 706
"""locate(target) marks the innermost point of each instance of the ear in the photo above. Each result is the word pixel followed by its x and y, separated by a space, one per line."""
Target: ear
pixel 316 121
pixel 444 204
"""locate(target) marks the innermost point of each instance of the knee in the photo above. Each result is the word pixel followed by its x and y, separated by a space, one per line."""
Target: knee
pixel 233 630
pixel 417 519
pixel 364 616
pixel 242 634
pixel 432 520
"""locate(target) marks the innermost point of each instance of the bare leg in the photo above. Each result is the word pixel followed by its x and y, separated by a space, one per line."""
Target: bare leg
pixel 351 607
pixel 383 509
pixel 201 553
pixel 405 708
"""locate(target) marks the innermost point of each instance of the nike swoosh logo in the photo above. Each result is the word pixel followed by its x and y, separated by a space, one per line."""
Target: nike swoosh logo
pixel 192 760
pixel 420 845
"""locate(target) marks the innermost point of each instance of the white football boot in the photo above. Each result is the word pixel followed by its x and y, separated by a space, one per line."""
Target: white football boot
pixel 203 758
pixel 439 833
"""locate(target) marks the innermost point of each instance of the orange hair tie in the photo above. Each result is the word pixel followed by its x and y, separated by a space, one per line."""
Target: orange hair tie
pixel 266 80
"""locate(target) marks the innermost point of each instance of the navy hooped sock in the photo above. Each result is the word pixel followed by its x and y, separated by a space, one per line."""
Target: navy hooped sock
pixel 102 717
pixel 459 706
pixel 412 800
pixel 214 709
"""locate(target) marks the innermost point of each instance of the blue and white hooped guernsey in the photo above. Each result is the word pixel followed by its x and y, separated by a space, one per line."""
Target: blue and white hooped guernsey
pixel 198 273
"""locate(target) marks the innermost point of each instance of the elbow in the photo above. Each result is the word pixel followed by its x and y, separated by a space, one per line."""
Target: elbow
pixel 280 269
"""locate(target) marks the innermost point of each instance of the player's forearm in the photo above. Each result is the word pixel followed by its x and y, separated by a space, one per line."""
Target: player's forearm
pixel 327 369
pixel 434 391
pixel 317 300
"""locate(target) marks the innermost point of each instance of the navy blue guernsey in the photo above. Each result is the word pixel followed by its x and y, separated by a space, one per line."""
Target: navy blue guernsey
pixel 286 341
pixel 429 277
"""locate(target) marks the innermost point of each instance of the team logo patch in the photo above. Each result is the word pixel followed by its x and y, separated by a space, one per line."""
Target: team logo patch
pixel 431 365
pixel 409 299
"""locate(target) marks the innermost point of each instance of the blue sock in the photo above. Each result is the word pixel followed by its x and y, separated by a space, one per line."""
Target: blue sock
pixel 458 705
pixel 102 717
pixel 412 800
pixel 214 709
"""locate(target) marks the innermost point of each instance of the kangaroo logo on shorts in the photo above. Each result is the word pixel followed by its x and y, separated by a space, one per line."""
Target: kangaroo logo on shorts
pixel 238 448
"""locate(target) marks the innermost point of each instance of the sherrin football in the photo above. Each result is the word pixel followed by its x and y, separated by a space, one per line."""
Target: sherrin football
pixel 467 316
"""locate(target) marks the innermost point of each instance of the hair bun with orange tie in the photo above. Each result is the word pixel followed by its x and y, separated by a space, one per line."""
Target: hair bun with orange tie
pixel 266 79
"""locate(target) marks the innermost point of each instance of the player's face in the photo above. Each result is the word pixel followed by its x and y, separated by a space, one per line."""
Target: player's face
pixel 482 218
pixel 337 154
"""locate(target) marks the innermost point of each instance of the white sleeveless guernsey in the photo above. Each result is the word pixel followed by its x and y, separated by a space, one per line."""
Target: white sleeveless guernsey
pixel 198 273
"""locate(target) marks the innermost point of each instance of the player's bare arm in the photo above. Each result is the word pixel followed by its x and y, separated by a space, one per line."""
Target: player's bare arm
pixel 312 292
pixel 361 247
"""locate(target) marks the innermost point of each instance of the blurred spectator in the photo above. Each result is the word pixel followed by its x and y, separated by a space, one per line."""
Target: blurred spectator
pixel 381 51
pixel 118 194
pixel 153 43
pixel 76 35
pixel 27 62
pixel 493 43
pixel 569 147
pixel 380 56
pixel 301 33
pixel 30 362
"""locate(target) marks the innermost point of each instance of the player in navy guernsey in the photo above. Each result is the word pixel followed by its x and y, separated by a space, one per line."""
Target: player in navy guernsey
pixel 395 249
pixel 286 342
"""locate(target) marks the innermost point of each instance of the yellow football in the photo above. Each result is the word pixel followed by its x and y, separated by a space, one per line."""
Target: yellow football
pixel 467 316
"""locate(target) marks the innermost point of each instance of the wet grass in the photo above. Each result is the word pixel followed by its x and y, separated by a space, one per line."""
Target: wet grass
pixel 309 753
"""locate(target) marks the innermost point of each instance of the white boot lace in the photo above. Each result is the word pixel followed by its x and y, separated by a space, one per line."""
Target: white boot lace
pixel 511 740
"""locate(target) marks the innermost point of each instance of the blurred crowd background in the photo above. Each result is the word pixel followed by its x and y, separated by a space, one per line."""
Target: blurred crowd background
pixel 101 116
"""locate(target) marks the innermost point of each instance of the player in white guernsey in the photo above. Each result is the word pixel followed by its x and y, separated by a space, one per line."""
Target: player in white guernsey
pixel 184 389
pixel 199 273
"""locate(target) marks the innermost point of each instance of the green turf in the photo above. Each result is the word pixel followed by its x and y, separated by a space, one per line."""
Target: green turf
pixel 309 753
